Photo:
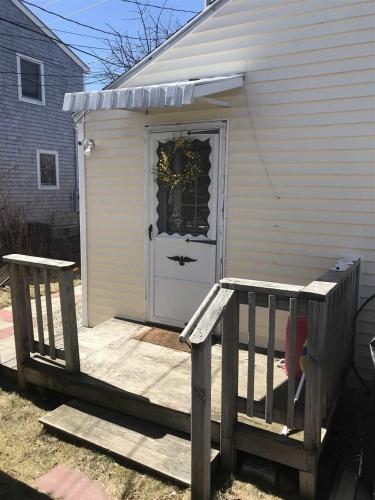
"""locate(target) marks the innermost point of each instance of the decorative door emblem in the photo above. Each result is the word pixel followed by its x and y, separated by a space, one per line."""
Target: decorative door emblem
pixel 182 260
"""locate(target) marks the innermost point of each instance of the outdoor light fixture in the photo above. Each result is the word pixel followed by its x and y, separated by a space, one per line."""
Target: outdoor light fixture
pixel 88 146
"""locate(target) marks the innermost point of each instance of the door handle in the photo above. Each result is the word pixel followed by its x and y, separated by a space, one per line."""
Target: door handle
pixel 202 242
pixel 150 229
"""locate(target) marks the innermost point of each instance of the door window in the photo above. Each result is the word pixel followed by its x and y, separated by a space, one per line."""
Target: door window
pixel 185 210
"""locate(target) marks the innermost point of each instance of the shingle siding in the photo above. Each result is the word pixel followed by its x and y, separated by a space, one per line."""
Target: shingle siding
pixel 26 127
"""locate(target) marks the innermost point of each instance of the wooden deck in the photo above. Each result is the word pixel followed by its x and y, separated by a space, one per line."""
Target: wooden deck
pixel 111 354
pixel 130 369
pixel 141 375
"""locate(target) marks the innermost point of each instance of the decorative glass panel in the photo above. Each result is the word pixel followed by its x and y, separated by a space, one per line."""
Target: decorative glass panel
pixel 31 80
pixel 47 169
pixel 185 210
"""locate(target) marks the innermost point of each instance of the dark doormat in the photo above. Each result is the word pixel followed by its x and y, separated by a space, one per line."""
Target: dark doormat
pixel 164 338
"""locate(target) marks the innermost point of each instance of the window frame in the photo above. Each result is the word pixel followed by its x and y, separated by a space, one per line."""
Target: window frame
pixel 21 97
pixel 45 186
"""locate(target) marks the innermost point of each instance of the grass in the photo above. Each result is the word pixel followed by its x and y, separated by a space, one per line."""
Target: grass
pixel 28 451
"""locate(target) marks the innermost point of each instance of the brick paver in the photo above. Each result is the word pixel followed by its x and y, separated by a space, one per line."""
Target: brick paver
pixel 63 482
pixel 6 316
pixel 8 331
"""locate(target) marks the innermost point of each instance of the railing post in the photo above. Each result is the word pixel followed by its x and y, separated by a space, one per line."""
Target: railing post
pixel 20 320
pixel 229 385
pixel 69 321
pixel 201 420
pixel 317 328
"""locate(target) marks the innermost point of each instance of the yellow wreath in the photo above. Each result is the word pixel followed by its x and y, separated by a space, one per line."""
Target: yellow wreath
pixel 164 172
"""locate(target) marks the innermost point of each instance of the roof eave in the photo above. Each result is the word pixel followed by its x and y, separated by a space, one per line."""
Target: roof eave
pixel 50 33
pixel 170 41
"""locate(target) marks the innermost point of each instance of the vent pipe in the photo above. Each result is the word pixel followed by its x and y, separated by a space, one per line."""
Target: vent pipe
pixel 209 2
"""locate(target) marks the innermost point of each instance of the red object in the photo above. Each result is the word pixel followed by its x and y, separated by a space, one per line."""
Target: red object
pixel 300 340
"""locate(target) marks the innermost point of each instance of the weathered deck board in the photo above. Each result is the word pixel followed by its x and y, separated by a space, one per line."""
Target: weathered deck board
pixel 111 354
pixel 149 445
pixel 160 374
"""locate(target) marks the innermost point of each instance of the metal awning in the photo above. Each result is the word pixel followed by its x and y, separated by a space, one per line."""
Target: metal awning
pixel 174 94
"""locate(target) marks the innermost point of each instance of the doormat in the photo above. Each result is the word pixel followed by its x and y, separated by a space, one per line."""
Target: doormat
pixel 164 338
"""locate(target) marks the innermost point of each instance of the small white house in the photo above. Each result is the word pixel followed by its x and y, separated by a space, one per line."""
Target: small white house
pixel 274 101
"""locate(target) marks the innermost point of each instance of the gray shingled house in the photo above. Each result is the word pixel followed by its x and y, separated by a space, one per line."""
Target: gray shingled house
pixel 37 140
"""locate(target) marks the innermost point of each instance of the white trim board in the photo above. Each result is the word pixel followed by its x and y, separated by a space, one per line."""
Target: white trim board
pixel 22 7
pixel 21 97
pixel 222 126
pixel 45 187
pixel 82 219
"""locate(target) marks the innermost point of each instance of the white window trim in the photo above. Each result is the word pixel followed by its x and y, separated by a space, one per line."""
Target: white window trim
pixel 20 96
pixel 56 155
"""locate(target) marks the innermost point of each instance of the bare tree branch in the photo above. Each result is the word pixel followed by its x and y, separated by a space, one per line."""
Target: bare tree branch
pixel 124 52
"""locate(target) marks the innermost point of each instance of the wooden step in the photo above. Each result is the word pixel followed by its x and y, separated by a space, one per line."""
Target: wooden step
pixel 148 445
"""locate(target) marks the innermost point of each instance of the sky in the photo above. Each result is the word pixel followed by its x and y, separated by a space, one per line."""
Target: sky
pixel 102 14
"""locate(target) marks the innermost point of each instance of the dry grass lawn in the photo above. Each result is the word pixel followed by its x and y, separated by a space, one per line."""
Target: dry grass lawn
pixel 5 298
pixel 27 451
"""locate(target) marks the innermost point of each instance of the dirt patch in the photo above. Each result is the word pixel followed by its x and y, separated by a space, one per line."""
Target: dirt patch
pixel 158 336
pixel 27 451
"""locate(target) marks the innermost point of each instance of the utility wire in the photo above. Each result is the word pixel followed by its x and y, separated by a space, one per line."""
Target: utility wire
pixel 172 9
pixel 44 74
pixel 81 34
pixel 51 38
pixel 136 2
pixel 106 32
pixel 48 40
pixel 84 9
pixel 51 84
pixel 93 74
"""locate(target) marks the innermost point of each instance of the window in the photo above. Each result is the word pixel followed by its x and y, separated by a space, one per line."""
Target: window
pixel 48 170
pixel 186 211
pixel 30 80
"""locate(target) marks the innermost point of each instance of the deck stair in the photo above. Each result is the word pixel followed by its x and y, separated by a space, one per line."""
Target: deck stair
pixel 147 445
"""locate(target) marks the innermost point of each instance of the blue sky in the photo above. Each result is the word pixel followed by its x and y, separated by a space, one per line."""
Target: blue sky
pixel 101 14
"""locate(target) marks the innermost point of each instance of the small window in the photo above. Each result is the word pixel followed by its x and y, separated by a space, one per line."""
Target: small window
pixel 48 170
pixel 30 79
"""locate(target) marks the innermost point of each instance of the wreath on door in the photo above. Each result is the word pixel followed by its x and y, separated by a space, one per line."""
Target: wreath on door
pixel 164 171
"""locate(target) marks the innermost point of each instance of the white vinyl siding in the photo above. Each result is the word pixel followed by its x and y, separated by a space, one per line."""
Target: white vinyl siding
pixel 300 185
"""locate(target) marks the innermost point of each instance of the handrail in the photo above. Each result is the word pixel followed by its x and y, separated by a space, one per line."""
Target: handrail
pixel 212 316
pixel 220 304
pixel 199 313
pixel 326 305
pixel 26 271
pixel 268 287
pixel 40 262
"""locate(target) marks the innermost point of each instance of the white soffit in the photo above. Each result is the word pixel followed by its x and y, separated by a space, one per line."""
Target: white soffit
pixel 174 94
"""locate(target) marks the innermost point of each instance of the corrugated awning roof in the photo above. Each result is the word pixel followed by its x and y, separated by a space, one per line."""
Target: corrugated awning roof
pixel 174 94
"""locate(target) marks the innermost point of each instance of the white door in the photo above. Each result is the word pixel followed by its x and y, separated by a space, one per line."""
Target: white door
pixel 182 231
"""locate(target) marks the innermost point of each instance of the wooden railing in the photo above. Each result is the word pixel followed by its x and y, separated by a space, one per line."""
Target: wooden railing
pixel 26 271
pixel 328 304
